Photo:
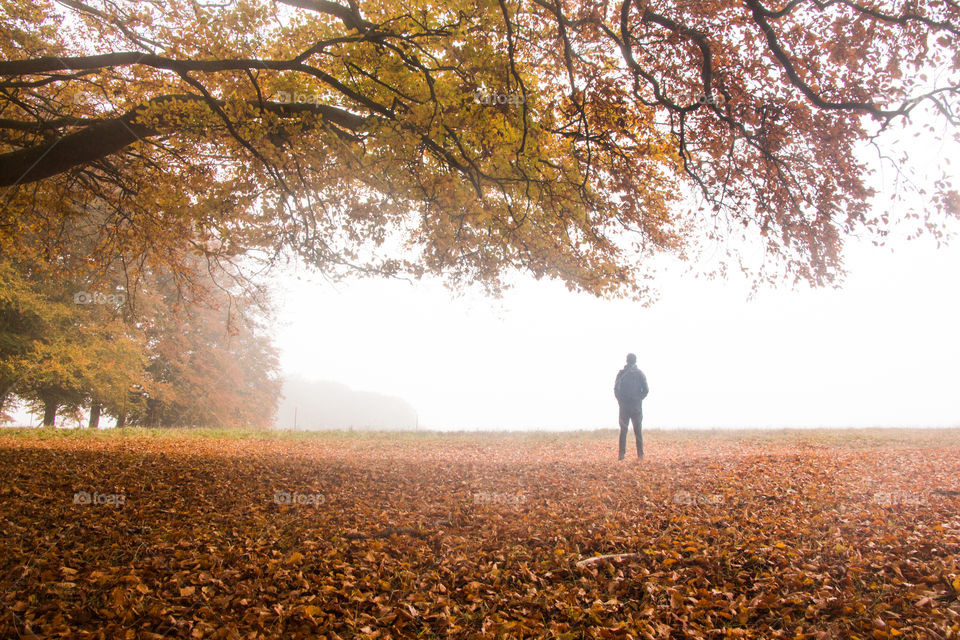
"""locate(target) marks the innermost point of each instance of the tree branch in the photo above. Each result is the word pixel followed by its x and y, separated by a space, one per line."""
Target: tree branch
pixel 109 136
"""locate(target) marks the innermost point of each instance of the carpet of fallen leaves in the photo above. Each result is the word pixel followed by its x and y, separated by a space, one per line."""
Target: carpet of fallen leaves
pixel 477 537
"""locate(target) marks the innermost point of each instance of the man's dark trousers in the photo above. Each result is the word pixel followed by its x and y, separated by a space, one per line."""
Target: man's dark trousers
pixel 631 411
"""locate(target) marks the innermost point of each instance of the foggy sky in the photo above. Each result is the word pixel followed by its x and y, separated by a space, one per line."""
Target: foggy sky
pixel 882 350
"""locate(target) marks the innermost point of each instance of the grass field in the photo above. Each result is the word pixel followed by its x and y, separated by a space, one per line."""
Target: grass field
pixel 746 534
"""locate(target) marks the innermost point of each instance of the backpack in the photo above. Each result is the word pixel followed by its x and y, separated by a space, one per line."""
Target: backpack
pixel 632 386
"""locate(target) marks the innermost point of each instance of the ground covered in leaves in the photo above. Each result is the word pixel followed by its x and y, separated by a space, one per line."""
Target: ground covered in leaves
pixel 824 535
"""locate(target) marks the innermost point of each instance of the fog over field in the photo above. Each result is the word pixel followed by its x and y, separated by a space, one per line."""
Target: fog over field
pixel 328 405
pixel 879 351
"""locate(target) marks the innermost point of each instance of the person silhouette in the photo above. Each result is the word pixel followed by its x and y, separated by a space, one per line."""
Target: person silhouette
pixel 630 389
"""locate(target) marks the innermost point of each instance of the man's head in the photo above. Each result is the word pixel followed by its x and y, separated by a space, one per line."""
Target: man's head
pixel 631 358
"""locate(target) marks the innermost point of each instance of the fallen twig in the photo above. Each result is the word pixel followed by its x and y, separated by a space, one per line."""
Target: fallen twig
pixel 615 557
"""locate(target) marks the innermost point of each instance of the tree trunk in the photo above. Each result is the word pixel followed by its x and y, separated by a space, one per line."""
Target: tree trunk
pixel 153 413
pixel 6 390
pixel 122 420
pixel 50 407
pixel 95 415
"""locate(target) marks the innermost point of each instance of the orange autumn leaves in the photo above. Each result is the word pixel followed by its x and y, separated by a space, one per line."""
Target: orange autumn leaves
pixel 465 138
pixel 775 539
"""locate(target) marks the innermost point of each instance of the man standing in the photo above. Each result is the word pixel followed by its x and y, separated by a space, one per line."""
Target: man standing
pixel 630 389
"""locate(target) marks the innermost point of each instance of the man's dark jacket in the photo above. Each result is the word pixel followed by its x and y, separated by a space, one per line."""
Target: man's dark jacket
pixel 623 395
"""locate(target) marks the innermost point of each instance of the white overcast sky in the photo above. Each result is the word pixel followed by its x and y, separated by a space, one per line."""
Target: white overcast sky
pixel 882 350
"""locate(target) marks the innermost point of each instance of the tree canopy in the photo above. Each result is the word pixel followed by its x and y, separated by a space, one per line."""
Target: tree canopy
pixel 465 138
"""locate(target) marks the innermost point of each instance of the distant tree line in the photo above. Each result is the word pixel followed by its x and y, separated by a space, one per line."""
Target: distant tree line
pixel 168 348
